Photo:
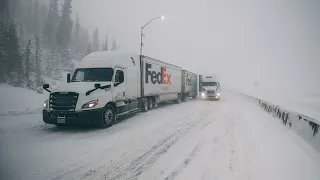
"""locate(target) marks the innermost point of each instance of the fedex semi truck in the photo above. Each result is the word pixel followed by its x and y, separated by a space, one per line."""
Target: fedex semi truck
pixel 106 86
pixel 209 86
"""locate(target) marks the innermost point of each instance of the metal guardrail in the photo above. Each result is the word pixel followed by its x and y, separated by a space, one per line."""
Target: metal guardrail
pixel 304 126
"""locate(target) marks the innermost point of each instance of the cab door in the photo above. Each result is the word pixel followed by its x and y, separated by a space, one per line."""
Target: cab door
pixel 120 86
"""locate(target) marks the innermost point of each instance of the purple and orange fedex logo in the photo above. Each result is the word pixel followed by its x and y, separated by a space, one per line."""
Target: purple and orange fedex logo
pixel 161 77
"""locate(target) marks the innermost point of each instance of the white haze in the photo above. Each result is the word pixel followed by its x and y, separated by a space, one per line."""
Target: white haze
pixel 251 45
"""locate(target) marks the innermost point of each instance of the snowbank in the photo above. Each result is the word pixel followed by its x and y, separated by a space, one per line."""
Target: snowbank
pixel 304 126
pixel 306 102
pixel 19 99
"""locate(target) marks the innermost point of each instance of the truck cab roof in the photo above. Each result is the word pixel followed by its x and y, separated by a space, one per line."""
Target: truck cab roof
pixel 209 78
pixel 110 59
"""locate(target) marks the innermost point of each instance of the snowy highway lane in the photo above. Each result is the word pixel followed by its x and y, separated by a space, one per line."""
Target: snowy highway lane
pixel 227 139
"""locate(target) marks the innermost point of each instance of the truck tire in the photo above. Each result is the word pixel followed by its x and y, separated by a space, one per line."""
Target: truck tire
pixel 150 104
pixel 145 105
pixel 179 99
pixel 108 117
pixel 156 102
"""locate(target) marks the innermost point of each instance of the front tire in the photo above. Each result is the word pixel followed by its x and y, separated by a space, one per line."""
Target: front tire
pixel 108 117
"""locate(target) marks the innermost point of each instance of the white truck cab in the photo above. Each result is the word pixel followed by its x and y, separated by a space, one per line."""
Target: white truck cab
pixel 104 86
pixel 209 87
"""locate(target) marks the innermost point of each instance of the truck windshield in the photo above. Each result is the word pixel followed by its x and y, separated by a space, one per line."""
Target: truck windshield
pixel 209 84
pixel 92 74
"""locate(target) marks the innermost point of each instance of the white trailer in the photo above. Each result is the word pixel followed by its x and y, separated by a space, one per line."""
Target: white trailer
pixel 106 86
pixel 161 81
pixel 189 84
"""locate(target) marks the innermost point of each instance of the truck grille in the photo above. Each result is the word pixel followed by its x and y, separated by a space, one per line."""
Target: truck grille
pixel 63 101
pixel 211 92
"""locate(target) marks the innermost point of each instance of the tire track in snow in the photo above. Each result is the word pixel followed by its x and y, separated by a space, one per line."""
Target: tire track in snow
pixel 122 169
pixel 185 163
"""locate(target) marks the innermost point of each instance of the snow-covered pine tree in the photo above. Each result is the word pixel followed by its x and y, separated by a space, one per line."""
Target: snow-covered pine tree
pixel 35 17
pixel 63 37
pixel 28 66
pixel 106 44
pixel 89 50
pixel 57 72
pixel 43 12
pixel 4 8
pixel 38 56
pixel 53 63
pixel 29 21
pixel 51 22
pixel 76 35
pixel 15 67
pixel 3 51
pixel 64 31
pixel 95 43
pixel 114 45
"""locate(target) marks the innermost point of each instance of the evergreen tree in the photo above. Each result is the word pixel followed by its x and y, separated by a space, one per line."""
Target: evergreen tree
pixel 29 21
pixel 64 31
pixel 28 65
pixel 76 36
pixel 38 55
pixel 89 50
pixel 106 45
pixel 95 43
pixel 43 12
pixel 4 8
pixel 57 73
pixel 15 60
pixel 3 48
pixel 52 21
pixel 35 18
pixel 21 37
pixel 114 45
pixel 50 62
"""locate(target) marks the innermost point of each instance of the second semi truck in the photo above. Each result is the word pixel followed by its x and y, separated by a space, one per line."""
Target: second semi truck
pixel 209 87
pixel 108 85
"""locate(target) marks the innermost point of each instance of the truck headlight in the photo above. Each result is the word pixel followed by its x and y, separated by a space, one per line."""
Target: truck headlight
pixel 90 104
pixel 218 94
pixel 203 94
pixel 46 104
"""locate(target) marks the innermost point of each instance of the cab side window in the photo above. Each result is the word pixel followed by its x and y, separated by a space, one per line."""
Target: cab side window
pixel 119 77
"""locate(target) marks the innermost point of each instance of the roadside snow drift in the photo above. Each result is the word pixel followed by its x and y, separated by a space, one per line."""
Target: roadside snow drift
pixel 18 100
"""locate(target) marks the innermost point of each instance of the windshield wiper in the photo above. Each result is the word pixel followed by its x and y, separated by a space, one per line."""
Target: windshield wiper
pixel 100 87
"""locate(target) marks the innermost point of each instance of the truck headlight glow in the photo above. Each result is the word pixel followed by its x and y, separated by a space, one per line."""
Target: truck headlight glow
pixel 46 104
pixel 218 94
pixel 203 94
pixel 90 104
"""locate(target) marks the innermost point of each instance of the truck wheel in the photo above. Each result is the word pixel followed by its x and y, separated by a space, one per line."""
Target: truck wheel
pixel 179 99
pixel 156 102
pixel 150 104
pixel 108 117
pixel 145 107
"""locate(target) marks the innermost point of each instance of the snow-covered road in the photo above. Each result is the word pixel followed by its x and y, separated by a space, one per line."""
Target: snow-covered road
pixel 229 139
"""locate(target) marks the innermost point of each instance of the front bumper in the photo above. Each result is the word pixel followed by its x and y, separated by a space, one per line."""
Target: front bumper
pixel 77 118
pixel 210 97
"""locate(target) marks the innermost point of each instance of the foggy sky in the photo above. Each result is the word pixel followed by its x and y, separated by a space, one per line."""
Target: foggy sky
pixel 275 43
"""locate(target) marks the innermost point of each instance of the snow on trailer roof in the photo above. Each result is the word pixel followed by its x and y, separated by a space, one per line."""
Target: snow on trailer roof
pixel 111 59
pixel 162 62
